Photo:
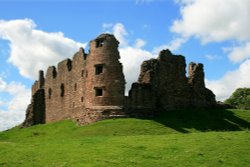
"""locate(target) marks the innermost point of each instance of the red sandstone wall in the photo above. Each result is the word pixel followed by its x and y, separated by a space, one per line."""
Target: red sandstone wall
pixel 170 88
pixel 80 81
pixel 65 88
pixel 70 90
pixel 111 80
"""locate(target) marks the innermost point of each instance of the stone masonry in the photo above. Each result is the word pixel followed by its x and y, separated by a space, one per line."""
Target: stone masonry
pixel 90 87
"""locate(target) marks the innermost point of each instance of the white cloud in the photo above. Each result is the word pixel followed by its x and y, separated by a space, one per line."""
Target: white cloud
pixel 16 106
pixel 139 43
pixel 132 56
pixel 239 53
pixel 173 45
pixel 213 20
pixel 30 50
pixel 33 49
pixel 107 26
pixel 118 30
pixel 219 21
pixel 120 33
pixel 232 80
pixel 212 57
pixel 132 59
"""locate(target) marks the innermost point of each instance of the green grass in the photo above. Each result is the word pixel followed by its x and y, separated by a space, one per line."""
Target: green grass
pixel 180 138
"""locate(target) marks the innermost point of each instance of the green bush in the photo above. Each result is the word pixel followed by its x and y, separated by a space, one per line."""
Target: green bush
pixel 240 98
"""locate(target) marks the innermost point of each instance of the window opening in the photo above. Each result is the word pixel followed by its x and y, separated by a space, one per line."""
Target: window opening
pixel 54 73
pixel 98 92
pixel 99 43
pixel 62 90
pixel 82 73
pixel 98 69
pixel 69 65
pixel 50 93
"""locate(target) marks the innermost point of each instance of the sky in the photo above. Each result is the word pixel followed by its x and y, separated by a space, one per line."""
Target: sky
pixel 40 33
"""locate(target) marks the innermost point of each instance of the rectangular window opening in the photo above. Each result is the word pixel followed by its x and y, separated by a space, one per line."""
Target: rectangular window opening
pixel 98 69
pixel 99 43
pixel 98 92
pixel 82 74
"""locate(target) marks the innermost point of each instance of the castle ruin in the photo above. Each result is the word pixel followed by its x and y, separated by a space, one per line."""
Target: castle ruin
pixel 91 87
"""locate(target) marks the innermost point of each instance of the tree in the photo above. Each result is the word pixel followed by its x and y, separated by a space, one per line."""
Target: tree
pixel 240 98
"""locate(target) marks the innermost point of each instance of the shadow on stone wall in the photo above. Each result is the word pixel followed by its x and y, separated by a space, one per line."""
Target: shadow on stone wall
pixel 202 120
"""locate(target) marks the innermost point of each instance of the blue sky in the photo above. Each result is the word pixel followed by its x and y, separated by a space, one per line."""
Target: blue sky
pixel 36 34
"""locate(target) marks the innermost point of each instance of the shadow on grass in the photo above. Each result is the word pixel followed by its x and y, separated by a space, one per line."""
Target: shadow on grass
pixel 202 120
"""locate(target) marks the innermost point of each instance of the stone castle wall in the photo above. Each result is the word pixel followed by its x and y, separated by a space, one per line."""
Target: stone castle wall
pixel 90 87
pixel 89 83
pixel 164 83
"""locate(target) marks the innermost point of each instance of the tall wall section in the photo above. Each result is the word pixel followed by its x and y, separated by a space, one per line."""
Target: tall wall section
pixel 106 84
pixel 35 112
pixel 86 88
pixel 65 88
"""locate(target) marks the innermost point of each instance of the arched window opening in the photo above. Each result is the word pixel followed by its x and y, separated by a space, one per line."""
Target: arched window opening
pixel 69 65
pixel 54 73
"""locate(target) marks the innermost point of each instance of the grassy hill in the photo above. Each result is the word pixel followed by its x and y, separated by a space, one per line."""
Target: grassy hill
pixel 178 138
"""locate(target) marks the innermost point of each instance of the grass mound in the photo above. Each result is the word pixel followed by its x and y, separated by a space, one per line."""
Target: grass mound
pixel 179 138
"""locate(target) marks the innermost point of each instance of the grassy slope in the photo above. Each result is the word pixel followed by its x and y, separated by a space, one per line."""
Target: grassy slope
pixel 163 141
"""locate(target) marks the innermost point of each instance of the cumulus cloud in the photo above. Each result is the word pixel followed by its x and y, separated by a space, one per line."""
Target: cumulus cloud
pixel 120 33
pixel 131 55
pixel 131 59
pixel 15 106
pixel 213 20
pixel 239 53
pixel 173 45
pixel 139 43
pixel 118 30
pixel 219 21
pixel 32 49
pixel 232 80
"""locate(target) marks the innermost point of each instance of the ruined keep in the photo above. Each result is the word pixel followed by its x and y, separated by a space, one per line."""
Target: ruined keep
pixel 91 87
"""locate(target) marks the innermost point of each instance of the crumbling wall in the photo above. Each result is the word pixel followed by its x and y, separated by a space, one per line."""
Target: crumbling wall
pixel 89 83
pixel 105 84
pixel 141 98
pixel 35 113
pixel 90 87
pixel 200 95
pixel 170 88
pixel 65 87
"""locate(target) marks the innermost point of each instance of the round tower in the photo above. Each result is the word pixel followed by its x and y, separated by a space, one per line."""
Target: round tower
pixel 105 83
